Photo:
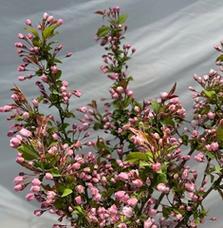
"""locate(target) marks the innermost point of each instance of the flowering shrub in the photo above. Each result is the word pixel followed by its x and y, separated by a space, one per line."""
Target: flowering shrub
pixel 121 164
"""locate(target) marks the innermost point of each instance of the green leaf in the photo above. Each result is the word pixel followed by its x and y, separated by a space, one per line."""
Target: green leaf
pixel 219 133
pixel 155 106
pixel 54 91
pixel 55 172
pixel 66 192
pixel 218 169
pixel 122 18
pixel 57 60
pixel 36 41
pixel 210 155
pixel 28 152
pixel 209 93
pixel 135 157
pixel 49 31
pixel 32 30
pixel 103 31
pixel 143 164
pixel 79 210
pixel 162 177
pixel 220 58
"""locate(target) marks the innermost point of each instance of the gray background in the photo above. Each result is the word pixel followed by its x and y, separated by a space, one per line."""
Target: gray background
pixel 173 38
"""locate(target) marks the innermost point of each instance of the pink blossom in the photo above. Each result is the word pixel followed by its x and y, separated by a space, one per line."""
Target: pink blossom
pixel 69 54
pixel 211 115
pixel 78 200
pixel 60 21
pixel 19 179
pixel 45 15
pixel 199 157
pixel 80 188
pixel 15 142
pixel 26 133
pixel 35 102
pixel 123 176
pixel 20 36
pixel 121 196
pixel 164 95
pixel 149 223
pixel 35 188
pixel 137 183
pixel 190 187
pixel 54 69
pixel 50 19
pixel 49 176
pixel 127 211
pixel 161 187
pixel 156 167
pixel 28 22
pixel 77 93
pixel 119 89
pixel 122 225
pixel 18 187
pixel 30 196
pixel 214 146
pixel 36 182
pixel 132 202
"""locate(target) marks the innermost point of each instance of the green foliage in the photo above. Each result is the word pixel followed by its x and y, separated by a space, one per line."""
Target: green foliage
pixel 28 152
pixel 66 192
pixel 103 31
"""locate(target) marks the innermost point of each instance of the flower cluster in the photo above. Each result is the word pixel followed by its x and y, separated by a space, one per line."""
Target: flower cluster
pixel 121 163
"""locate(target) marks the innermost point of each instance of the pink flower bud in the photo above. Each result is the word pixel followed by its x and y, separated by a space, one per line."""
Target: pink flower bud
pixel 54 69
pixel 137 183
pixel 77 93
pixel 35 102
pixel 127 211
pixel 214 146
pixel 18 187
pixel 211 115
pixel 28 22
pixel 69 54
pixel 29 36
pixel 78 200
pixel 49 176
pixel 26 133
pixel 15 142
pixel 19 45
pixel 80 189
pixel 19 180
pixel 76 166
pixel 20 36
pixel 199 157
pixel 36 182
pixel 156 167
pixel 50 19
pixel 123 176
pixel 21 78
pixel 129 93
pixel 20 159
pixel 60 21
pixel 30 196
pixel 164 95
pixel 35 188
pixel 190 187
pixel 161 187
pixel 25 115
pixel 45 15
pixel 120 89
pixel 122 225
pixel 132 202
